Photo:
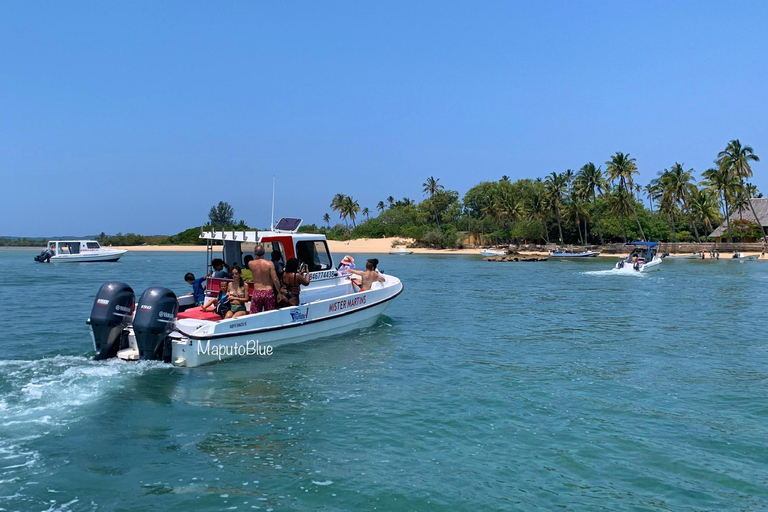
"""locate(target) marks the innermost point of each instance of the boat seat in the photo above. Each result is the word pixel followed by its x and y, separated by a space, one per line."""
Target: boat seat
pixel 198 314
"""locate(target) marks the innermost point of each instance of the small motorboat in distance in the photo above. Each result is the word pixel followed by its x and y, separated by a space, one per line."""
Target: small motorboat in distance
pixel 78 251
pixel 172 329
pixel 491 252
pixel 401 251
pixel 740 256
pixel 642 258
pixel 567 254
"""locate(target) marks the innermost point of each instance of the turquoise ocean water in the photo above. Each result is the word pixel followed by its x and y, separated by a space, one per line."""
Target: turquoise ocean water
pixel 487 386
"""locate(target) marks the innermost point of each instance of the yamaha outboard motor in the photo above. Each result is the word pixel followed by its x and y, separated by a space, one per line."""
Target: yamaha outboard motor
pixel 155 319
pixel 111 313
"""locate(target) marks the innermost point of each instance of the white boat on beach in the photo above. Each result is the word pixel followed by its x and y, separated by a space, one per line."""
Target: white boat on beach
pixel 78 251
pixel 642 258
pixel 491 252
pixel 169 328
pixel 401 251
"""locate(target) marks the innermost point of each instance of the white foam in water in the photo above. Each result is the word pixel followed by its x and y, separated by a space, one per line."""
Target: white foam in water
pixel 626 271
pixel 46 394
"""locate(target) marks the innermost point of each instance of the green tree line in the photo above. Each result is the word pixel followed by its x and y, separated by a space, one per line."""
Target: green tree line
pixel 594 205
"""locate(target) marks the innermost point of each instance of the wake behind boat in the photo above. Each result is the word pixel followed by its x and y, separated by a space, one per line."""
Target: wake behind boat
pixel 169 328
pixel 642 258
pixel 78 251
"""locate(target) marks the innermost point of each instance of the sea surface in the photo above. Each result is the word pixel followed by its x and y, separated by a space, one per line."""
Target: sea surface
pixel 487 386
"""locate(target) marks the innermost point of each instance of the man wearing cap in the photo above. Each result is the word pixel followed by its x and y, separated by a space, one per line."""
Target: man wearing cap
pixel 266 287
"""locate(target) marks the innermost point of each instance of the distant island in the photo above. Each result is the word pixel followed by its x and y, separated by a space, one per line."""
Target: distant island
pixel 591 206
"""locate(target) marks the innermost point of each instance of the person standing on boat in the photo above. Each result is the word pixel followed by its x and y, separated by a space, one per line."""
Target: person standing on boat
pixel 266 286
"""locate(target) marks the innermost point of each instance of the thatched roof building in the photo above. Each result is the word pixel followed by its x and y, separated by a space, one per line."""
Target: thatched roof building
pixel 761 208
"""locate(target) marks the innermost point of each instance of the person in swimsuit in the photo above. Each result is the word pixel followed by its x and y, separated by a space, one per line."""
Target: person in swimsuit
pixel 219 304
pixel 266 287
pixel 370 276
pixel 293 277
pixel 238 294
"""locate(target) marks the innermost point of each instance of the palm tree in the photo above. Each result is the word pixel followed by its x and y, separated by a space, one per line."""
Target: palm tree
pixel 431 186
pixel 380 206
pixel 391 201
pixel 621 168
pixel 537 209
pixel 365 212
pixel 577 211
pixel 350 209
pixel 619 203
pixel 650 193
pixel 735 159
pixel 703 205
pixel 590 182
pixel 337 204
pixel 677 183
pixel 569 175
pixel 327 219
pixel 724 184
pixel 555 187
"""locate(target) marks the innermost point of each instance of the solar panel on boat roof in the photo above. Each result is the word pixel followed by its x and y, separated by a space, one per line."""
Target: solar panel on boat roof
pixel 288 224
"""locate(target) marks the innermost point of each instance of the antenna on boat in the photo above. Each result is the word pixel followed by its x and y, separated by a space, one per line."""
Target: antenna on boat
pixel 272 220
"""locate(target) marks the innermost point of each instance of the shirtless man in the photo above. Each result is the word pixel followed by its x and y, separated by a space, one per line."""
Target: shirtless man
pixel 370 275
pixel 265 282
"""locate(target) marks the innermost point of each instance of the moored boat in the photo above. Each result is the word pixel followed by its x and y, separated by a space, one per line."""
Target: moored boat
pixel 566 254
pixel 491 252
pixel 78 251
pixel 401 251
pixel 642 258
pixel 169 328
pixel 740 256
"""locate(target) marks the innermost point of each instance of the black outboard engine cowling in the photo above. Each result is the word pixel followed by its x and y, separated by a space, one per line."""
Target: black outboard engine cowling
pixel 155 319
pixel 111 314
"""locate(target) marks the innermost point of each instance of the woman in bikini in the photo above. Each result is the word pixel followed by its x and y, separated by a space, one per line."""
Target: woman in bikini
pixel 238 294
pixel 293 278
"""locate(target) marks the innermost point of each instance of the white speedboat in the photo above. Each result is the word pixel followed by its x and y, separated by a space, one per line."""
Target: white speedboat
pixel 491 252
pixel 567 254
pixel 642 258
pixel 401 250
pixel 78 251
pixel 169 328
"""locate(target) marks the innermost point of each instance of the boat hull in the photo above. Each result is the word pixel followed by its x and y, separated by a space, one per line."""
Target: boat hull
pixel 200 342
pixel 204 351
pixel 88 258
pixel 588 254
pixel 488 252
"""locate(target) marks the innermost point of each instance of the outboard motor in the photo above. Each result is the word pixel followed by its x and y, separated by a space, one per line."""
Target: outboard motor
pixel 111 314
pixel 155 319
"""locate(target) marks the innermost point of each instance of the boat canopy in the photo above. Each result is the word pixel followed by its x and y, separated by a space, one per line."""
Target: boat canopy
pixel 643 244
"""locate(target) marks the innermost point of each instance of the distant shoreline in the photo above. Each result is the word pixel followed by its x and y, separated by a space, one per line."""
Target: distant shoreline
pixel 358 246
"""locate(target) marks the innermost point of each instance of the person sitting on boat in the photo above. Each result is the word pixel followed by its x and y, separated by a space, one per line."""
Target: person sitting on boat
pixel 245 272
pixel 347 263
pixel 238 294
pixel 295 275
pixel 198 290
pixel 218 269
pixel 266 287
pixel 635 261
pixel 370 275
pixel 220 304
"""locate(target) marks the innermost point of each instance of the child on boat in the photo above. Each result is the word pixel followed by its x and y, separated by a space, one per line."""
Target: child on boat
pixel 220 304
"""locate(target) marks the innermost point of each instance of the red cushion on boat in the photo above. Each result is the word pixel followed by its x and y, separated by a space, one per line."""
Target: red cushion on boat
pixel 199 314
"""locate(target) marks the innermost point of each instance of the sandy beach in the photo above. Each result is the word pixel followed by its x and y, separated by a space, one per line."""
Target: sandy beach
pixel 371 246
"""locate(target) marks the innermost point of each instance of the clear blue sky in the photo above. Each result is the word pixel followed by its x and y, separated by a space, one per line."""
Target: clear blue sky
pixel 139 116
